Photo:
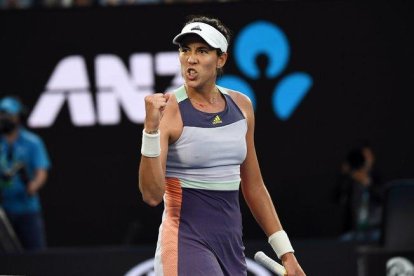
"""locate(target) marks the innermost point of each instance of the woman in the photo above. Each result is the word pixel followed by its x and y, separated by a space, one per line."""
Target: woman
pixel 197 149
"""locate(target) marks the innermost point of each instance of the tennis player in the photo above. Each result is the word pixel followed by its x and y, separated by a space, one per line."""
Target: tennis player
pixel 197 151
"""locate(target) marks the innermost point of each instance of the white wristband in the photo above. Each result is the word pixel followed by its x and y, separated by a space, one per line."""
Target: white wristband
pixel 150 146
pixel 280 243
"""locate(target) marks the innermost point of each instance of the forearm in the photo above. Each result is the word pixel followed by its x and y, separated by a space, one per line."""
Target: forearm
pixel 151 180
pixel 38 181
pixel 262 209
pixel 151 173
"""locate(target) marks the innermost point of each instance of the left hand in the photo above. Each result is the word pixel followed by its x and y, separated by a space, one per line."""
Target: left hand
pixel 32 188
pixel 291 265
pixel 37 182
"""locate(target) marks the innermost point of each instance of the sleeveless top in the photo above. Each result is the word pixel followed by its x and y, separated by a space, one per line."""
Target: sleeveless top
pixel 201 222
pixel 211 147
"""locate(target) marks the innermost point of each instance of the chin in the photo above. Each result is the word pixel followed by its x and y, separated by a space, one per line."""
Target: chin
pixel 192 84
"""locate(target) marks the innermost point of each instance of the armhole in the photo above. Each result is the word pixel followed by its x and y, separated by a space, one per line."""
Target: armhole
pixel 226 91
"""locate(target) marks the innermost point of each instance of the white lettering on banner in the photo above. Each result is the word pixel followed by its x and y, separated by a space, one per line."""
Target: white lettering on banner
pixel 116 89
pixel 146 268
pixel 166 65
pixel 68 81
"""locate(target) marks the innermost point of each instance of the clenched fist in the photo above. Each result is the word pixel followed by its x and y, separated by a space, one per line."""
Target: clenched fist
pixel 154 110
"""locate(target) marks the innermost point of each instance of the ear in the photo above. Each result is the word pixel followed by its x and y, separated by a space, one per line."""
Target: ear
pixel 222 60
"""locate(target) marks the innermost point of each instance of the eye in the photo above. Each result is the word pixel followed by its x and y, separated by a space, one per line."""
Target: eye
pixel 203 51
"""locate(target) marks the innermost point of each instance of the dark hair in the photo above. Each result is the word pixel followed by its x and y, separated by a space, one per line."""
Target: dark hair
pixel 217 24
pixel 356 158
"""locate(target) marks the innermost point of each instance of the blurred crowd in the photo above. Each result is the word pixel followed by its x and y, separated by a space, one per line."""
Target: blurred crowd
pixel 25 4
pixel 360 193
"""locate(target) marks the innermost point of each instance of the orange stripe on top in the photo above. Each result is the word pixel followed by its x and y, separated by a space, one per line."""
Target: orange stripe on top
pixel 169 240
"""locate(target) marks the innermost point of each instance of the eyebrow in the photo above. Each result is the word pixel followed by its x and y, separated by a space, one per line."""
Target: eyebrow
pixel 208 48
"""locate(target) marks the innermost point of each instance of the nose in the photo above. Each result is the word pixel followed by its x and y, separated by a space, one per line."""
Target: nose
pixel 192 58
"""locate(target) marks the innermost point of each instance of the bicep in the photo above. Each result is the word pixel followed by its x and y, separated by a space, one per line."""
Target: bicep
pixel 250 170
pixel 40 156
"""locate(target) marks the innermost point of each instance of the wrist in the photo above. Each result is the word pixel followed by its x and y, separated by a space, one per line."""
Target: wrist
pixel 149 131
pixel 280 243
pixel 151 146
pixel 285 257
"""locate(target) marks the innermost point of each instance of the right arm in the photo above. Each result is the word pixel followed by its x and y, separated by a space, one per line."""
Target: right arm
pixel 151 179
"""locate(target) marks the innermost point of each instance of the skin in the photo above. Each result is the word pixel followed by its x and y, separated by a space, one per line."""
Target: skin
pixel 199 63
pixel 40 175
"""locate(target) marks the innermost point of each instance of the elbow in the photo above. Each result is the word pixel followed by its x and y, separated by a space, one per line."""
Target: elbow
pixel 150 194
pixel 153 203
pixel 151 200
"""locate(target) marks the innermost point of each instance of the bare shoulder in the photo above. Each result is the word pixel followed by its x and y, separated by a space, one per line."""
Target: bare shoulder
pixel 242 101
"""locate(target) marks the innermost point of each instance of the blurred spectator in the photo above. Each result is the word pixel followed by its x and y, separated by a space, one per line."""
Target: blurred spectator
pixel 56 3
pixel 24 165
pixel 21 4
pixel 194 1
pixel 128 2
pixel 16 4
pixel 359 192
pixel 83 3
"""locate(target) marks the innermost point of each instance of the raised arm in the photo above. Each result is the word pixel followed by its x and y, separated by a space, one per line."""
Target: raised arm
pixel 151 174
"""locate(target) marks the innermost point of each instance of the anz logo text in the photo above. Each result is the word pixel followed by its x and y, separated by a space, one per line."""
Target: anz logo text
pixel 117 88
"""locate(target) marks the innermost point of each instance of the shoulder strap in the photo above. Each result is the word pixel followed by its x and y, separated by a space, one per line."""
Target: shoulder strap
pixel 180 94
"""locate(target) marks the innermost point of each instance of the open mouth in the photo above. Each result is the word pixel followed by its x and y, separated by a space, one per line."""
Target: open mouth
pixel 191 73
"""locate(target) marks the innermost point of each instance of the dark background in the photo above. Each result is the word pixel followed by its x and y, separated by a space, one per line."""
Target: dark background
pixel 358 54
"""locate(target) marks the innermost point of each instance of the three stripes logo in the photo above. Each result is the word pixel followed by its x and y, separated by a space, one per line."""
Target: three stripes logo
pixel 217 120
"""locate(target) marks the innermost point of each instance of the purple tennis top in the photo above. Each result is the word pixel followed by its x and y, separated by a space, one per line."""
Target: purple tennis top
pixel 201 228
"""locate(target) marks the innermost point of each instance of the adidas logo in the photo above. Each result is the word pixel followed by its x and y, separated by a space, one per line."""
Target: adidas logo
pixel 217 120
pixel 196 28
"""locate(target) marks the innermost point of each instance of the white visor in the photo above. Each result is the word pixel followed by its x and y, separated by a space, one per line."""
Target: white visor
pixel 207 32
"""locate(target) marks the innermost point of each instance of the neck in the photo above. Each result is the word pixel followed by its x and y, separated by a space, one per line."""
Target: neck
pixel 204 97
pixel 11 137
